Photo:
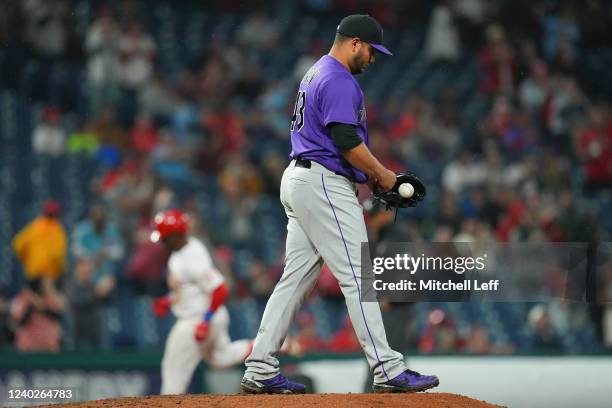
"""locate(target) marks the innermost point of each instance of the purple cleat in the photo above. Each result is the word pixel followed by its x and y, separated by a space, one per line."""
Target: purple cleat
pixel 274 385
pixel 408 381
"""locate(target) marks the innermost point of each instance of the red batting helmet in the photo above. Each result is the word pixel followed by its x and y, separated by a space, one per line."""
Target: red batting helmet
pixel 170 222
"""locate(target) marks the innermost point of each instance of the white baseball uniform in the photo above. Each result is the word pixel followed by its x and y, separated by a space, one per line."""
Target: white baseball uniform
pixel 192 278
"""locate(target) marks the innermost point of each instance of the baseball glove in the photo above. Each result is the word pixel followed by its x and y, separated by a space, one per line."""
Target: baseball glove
pixel 393 199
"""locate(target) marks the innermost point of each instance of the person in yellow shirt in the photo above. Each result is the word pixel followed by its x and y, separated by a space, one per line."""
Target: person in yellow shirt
pixel 42 244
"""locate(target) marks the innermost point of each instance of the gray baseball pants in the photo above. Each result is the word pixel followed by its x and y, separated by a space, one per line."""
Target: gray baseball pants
pixel 326 224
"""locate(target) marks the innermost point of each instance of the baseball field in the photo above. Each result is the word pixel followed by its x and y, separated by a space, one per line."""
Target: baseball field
pixel 314 203
pixel 425 400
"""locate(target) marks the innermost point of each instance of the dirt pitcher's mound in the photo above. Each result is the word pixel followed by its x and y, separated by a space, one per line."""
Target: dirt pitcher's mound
pixel 425 400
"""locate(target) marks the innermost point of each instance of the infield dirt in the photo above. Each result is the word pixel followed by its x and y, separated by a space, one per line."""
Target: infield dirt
pixel 424 400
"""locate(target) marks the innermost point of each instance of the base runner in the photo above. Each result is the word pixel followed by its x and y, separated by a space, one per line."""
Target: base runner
pixel 197 295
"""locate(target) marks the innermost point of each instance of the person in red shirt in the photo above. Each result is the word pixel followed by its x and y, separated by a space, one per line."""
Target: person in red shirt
pixel 144 134
pixel 594 147
pixel 36 312
pixel 497 62
pixel 344 340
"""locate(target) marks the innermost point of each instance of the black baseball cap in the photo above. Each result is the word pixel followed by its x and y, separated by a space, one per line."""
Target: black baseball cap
pixel 366 28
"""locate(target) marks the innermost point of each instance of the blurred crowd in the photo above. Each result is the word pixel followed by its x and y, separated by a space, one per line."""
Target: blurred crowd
pixel 535 165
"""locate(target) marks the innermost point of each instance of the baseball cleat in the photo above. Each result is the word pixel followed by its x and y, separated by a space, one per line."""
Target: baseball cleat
pixel 408 381
pixel 274 385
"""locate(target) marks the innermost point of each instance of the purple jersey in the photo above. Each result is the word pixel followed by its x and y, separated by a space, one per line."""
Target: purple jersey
pixel 328 93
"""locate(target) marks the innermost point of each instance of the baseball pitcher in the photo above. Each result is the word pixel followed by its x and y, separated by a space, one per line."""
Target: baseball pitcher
pixel 329 155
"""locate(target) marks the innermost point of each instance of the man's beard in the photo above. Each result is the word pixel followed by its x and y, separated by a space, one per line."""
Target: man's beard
pixel 357 71
pixel 357 67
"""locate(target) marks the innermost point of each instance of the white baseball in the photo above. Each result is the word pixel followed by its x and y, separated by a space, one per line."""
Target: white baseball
pixel 406 190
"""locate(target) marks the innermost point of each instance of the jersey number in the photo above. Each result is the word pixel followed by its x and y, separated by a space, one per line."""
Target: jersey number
pixel 298 111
